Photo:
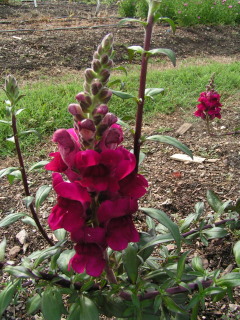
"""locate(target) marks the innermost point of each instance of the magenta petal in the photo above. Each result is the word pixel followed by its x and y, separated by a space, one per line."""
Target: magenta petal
pixel 70 190
pixel 89 235
pixel 117 208
pixel 87 158
pixel 134 185
pixel 120 232
pixel 56 164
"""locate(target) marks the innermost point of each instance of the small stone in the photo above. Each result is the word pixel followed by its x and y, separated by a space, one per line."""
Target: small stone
pixel 13 252
pixel 22 236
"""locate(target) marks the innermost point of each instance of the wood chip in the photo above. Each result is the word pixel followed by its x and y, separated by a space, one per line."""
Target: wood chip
pixel 186 158
pixel 184 128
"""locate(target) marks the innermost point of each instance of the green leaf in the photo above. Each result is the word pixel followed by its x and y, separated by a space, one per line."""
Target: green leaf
pixel 157 240
pixel 60 234
pixel 214 202
pixel 38 165
pixel 197 264
pixel 199 209
pixel 236 252
pixel 120 68
pixel 181 266
pixel 136 49
pixel 123 95
pixel 171 305
pixel 229 280
pixel 151 92
pixel 172 141
pixel 168 52
pixel 3 244
pixel 7 171
pixel 215 232
pixel 123 124
pixel 42 194
pixel 74 312
pixel 17 174
pixel 187 221
pixel 30 221
pixel 131 262
pixel 170 21
pixel 88 310
pixel 19 111
pixel 11 139
pixel 161 217
pixel 27 201
pixel 33 304
pixel 19 272
pixel 64 259
pixel 6 295
pixel 125 20
pixel 5 122
pixel 44 254
pixel 31 131
pixel 51 304
pixel 11 218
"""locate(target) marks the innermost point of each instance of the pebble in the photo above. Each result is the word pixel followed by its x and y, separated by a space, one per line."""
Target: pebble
pixel 13 252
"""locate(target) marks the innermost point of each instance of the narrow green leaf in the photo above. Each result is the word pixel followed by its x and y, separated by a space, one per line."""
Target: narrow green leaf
pixel 214 202
pixel 125 20
pixel 27 201
pixel 51 304
pixel 30 221
pixel 151 92
pixel 168 52
pixel 229 280
pixel 136 49
pixel 44 254
pixel 236 252
pixel 7 171
pixel 19 111
pixel 31 131
pixel 5 122
pixel 157 240
pixel 3 244
pixel 181 266
pixel 215 232
pixel 197 264
pixel 170 21
pixel 6 295
pixel 161 217
pixel 120 68
pixel 74 312
pixel 172 306
pixel 60 234
pixel 11 218
pixel 123 95
pixel 42 194
pixel 38 165
pixel 172 141
pixel 33 304
pixel 18 271
pixel 199 209
pixel 131 262
pixel 14 175
pixel 123 124
pixel 64 259
pixel 88 310
pixel 213 290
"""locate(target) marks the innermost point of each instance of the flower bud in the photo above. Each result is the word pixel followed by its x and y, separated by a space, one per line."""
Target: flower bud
pixel 89 75
pixel 107 41
pixel 96 65
pixel 11 88
pixel 104 59
pixel 96 55
pixel 85 100
pixel 104 75
pixel 99 113
pixel 87 130
pixel 109 64
pixel 96 87
pixel 109 119
pixel 76 111
pixel 100 50
pixel 105 95
pixel 81 96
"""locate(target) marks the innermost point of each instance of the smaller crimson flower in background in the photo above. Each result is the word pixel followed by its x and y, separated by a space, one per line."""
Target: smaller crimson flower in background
pixel 209 106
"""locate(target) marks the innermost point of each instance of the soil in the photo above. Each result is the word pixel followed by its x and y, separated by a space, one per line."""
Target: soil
pixel 53 39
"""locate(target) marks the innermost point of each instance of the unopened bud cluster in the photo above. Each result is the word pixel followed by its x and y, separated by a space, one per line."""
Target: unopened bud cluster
pixel 91 114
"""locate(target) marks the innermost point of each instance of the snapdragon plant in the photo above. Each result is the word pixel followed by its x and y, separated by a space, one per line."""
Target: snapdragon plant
pixel 102 264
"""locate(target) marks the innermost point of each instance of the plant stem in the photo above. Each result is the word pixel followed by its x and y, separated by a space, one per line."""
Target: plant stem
pixel 24 179
pixel 109 272
pixel 142 86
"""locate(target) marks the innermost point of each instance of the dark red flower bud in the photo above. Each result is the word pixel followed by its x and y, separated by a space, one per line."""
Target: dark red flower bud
pixel 87 129
pixel 81 96
pixel 100 50
pixel 89 75
pixel 76 110
pixel 107 41
pixel 104 75
pixel 109 119
pixel 96 87
pixel 96 65
pixel 104 59
pixel 105 95
pixel 96 55
pixel 99 113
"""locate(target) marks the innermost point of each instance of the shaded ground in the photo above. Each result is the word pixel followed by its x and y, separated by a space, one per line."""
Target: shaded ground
pixel 175 187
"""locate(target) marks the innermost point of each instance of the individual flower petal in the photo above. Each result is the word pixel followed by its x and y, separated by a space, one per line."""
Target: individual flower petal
pixel 134 185
pixel 56 164
pixel 67 214
pixel 89 257
pixel 70 190
pixel 120 232
pixel 89 235
pixel 113 209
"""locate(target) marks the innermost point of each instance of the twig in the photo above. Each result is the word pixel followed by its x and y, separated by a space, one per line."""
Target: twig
pixel 24 179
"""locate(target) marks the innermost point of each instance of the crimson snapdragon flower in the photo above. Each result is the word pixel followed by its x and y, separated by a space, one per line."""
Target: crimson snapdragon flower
pixel 210 105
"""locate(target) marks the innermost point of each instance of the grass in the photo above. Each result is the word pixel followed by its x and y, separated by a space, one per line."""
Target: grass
pixel 46 101
pixel 187 12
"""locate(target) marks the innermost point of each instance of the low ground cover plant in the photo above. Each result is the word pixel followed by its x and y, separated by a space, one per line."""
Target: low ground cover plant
pixel 187 13
pixel 104 265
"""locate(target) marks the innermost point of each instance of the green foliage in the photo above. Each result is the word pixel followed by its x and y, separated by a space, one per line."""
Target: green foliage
pixel 187 13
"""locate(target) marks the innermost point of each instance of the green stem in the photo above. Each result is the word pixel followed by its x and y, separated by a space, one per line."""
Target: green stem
pixel 24 179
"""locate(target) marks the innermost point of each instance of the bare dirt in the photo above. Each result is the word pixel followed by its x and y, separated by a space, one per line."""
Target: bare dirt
pixel 57 38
